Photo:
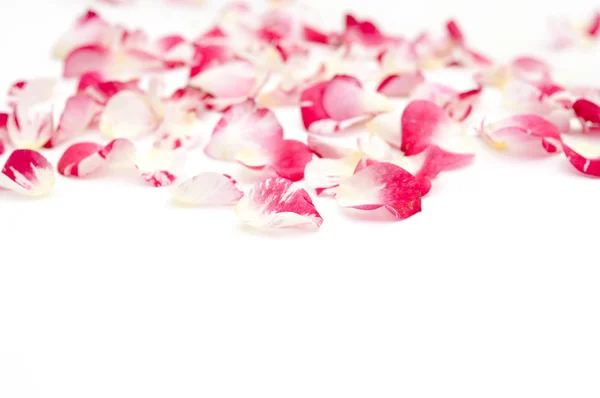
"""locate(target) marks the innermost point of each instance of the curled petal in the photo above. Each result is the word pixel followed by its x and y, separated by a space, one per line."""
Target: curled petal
pixel 460 106
pixel 382 185
pixel 87 158
pixel 585 158
pixel 178 130
pixel 325 175
pixel 207 189
pixel 276 203
pixel 33 130
pixel 244 127
pixel 80 110
pixel 341 102
pixel 28 173
pixel 401 85
pixel 128 114
pixel 587 111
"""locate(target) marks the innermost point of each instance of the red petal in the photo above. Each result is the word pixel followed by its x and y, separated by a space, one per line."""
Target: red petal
pixel 586 160
pixel 421 122
pixel 520 130
pixel 207 189
pixel 382 185
pixel 276 203
pixel 290 159
pixel 27 172
pixel 455 32
pixel 587 110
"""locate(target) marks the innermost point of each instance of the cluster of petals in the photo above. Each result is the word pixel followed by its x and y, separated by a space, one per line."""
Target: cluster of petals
pixel 360 147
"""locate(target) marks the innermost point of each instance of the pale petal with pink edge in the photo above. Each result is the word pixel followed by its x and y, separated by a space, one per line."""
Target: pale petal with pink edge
pixel 79 113
pixel 524 134
pixel 388 127
pixel 401 84
pixel 382 185
pixel 89 59
pixel 232 80
pixel 87 158
pixel 277 203
pixel 207 189
pixel 374 147
pixel 128 114
pixel 27 172
pixel 326 147
pixel 88 29
pixel 160 167
pixel 325 175
pixel 244 127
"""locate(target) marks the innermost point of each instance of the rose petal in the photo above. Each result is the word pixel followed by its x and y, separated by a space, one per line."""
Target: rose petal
pixel 382 185
pixel 277 203
pixel 160 167
pixel 325 175
pixel 519 132
pixel 128 114
pixel 388 127
pixel 244 127
pixel 80 110
pixel 585 158
pixel 424 123
pixel 207 189
pixel 28 173
pixel 234 81
pixel 587 111
pixel 327 148
pixel 341 102
pixel 290 158
pixel 401 85
pixel 530 70
pixel 86 158
pixel 88 29
pixel 88 59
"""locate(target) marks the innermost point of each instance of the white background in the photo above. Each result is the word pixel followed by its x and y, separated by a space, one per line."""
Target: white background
pixel 107 289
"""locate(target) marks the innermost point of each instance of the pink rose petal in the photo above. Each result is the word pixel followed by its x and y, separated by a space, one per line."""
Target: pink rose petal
pixel 80 110
pixel 277 203
pixel 28 173
pixel 531 70
pixel 424 122
pixel 207 189
pixel 89 29
pixel 288 159
pixel 86 158
pixel 244 127
pixel 88 59
pixel 523 133
pixel 332 106
pixel 401 85
pixel 382 185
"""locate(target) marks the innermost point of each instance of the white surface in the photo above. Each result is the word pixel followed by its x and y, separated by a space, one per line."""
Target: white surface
pixel 109 290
